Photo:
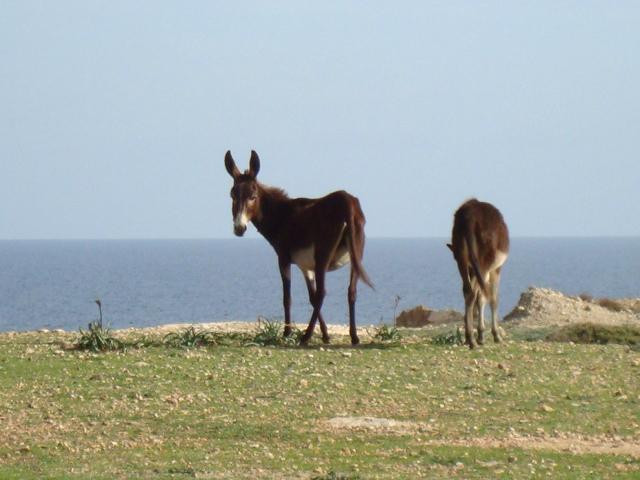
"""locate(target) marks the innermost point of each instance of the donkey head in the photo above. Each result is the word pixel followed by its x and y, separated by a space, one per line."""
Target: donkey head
pixel 245 193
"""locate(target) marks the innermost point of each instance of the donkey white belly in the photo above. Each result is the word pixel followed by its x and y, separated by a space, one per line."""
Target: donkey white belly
pixel 305 258
pixel 340 259
pixel 306 261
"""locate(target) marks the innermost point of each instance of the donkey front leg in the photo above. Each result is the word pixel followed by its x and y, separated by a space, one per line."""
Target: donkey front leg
pixel 285 273
pixel 317 305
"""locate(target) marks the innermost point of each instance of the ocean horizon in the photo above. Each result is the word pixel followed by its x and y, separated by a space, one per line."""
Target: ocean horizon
pixel 146 282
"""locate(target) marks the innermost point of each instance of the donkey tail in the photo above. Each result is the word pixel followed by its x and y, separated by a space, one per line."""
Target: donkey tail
pixel 472 248
pixel 355 227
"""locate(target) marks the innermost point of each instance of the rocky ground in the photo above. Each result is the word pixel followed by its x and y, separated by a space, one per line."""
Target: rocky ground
pixel 541 307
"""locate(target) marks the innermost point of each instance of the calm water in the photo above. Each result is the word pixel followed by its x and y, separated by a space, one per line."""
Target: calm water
pixel 53 284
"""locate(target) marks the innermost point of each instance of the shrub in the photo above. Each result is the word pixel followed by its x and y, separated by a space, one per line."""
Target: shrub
pixel 98 339
pixel 599 334
pixel 189 337
pixel 609 304
pixel 385 333
pixel 270 332
pixel 449 338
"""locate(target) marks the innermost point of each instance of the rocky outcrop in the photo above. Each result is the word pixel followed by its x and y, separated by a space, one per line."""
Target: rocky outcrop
pixel 421 316
pixel 541 307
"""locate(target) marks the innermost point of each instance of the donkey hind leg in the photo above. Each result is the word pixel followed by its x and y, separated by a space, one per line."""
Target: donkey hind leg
pixel 309 278
pixel 285 273
pixel 323 256
pixel 351 296
pixel 493 301
pixel 318 298
pixel 480 303
pixel 470 295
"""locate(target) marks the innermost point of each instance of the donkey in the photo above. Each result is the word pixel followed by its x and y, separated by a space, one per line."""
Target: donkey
pixel 480 246
pixel 316 234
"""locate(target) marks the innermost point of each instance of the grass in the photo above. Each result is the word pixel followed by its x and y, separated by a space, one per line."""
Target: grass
pixel 237 411
pixel 599 334
pixel 449 337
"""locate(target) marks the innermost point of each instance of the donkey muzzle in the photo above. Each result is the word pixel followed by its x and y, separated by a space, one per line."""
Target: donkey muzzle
pixel 239 230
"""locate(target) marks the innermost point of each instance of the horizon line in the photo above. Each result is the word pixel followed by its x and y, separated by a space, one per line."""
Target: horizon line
pixel 381 237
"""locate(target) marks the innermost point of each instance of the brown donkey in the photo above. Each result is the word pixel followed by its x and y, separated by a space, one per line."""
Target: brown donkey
pixel 318 235
pixel 480 246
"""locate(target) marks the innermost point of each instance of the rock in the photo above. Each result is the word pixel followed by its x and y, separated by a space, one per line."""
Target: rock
pixel 543 307
pixel 420 316
pixel 439 317
pixel 415 317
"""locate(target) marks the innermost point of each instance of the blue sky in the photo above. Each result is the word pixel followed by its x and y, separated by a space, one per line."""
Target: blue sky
pixel 116 114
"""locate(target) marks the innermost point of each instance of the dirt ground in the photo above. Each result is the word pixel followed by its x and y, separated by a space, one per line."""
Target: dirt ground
pixel 562 442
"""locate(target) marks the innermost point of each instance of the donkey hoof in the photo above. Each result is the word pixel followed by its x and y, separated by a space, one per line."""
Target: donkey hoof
pixel 472 345
pixel 287 332
pixel 304 341
pixel 355 341
pixel 326 340
pixel 497 339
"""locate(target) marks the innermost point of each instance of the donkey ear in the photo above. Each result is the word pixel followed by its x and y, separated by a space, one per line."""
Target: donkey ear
pixel 254 164
pixel 231 165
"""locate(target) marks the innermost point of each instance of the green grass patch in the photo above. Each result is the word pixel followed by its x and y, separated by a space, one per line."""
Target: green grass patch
pixel 247 412
pixel 598 334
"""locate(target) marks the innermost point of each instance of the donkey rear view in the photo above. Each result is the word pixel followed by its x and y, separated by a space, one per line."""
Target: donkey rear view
pixel 480 246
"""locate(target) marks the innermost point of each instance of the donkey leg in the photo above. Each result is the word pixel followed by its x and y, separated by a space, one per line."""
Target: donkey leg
pixel 285 273
pixel 480 303
pixel 317 305
pixel 469 307
pixel 493 301
pixel 309 278
pixel 351 296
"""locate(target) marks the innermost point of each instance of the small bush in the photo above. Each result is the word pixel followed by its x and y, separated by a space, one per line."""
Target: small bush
pixel 586 297
pixel 271 332
pixel 98 339
pixel 609 304
pixel 385 333
pixel 192 337
pixel 189 338
pixel 449 338
pixel 599 334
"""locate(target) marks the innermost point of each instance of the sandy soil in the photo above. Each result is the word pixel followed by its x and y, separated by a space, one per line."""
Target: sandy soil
pixel 573 443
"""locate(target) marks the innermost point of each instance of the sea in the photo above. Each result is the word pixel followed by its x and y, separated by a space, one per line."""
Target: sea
pixel 53 284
